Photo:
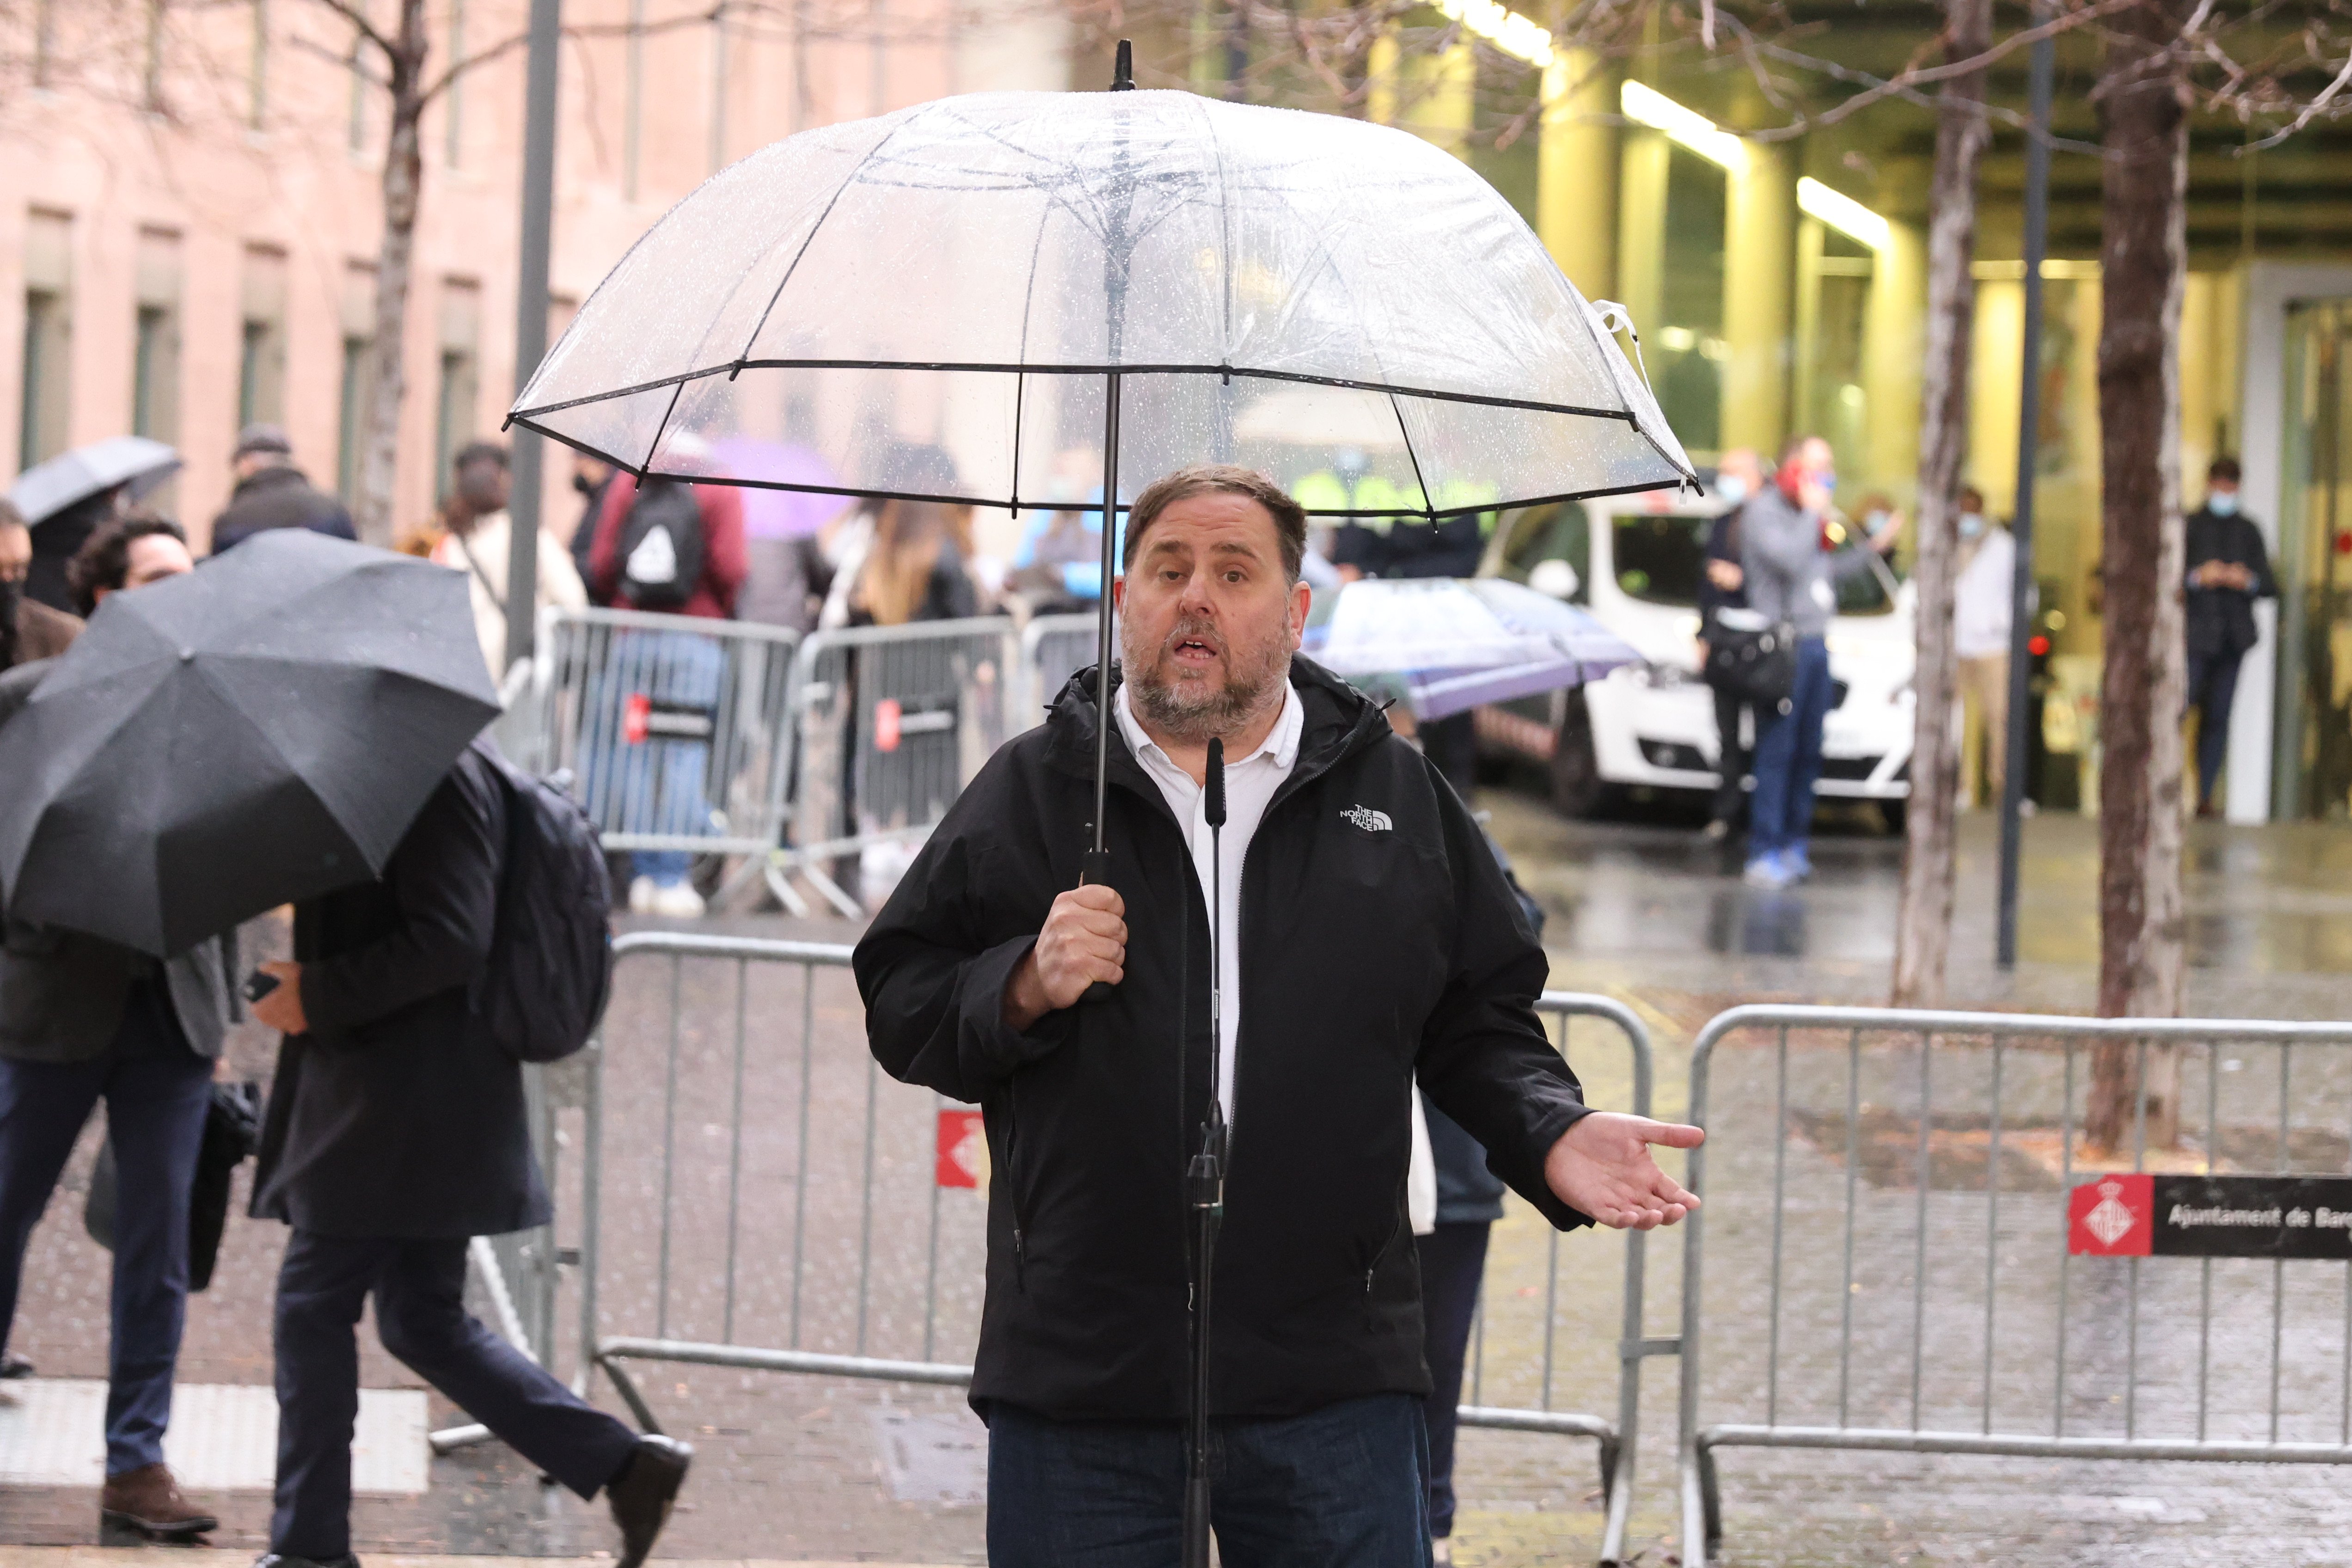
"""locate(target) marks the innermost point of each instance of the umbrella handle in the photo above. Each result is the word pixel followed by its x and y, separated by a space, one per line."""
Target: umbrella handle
pixel 1095 871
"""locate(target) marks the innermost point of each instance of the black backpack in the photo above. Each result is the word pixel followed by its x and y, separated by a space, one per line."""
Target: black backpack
pixel 551 968
pixel 661 546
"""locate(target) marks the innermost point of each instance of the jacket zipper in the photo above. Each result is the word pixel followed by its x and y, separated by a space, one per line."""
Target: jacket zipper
pixel 1013 1187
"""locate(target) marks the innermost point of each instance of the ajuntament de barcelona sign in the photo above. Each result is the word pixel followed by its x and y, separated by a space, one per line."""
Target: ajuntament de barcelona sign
pixel 2212 1217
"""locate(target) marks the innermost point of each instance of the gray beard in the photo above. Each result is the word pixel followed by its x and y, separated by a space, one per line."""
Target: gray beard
pixel 1193 719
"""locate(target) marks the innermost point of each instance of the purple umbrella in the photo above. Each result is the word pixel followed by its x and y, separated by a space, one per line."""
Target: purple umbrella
pixel 774 513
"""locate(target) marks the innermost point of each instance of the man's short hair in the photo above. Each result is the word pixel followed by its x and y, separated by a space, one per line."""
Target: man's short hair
pixel 474 452
pixel 104 559
pixel 1971 493
pixel 2224 469
pixel 1226 478
pixel 269 438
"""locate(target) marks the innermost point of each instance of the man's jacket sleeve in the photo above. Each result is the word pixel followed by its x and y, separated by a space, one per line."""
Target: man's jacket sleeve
pixel 445 878
pixel 1485 1059
pixel 933 967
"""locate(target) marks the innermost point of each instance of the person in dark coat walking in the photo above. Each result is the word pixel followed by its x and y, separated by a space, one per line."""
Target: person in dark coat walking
pixel 271 493
pixel 1370 938
pixel 83 1019
pixel 2228 571
pixel 1721 587
pixel 395 1132
pixel 29 629
pixel 1414 547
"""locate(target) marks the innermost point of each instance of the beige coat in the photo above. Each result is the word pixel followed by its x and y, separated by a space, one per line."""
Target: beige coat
pixel 482 556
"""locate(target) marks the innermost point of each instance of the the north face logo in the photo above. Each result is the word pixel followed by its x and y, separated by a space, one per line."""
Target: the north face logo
pixel 1365 817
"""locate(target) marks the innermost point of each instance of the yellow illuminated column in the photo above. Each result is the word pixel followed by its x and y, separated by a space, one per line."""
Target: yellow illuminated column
pixel 1575 181
pixel 1759 269
pixel 1894 339
pixel 1642 229
pixel 1381 84
pixel 1443 109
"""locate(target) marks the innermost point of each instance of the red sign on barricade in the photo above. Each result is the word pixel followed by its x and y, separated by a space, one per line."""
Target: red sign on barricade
pixel 637 718
pixel 887 715
pixel 2113 1216
pixel 964 1148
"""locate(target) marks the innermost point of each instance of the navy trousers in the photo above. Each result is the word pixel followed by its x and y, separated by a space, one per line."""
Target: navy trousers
pixel 1342 1487
pixel 2213 691
pixel 1453 1262
pixel 420 1311
pixel 1789 756
pixel 157 1092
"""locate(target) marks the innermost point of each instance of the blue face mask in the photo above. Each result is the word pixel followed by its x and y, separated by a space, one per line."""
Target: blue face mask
pixel 1972 524
pixel 1829 480
pixel 1731 488
pixel 2222 503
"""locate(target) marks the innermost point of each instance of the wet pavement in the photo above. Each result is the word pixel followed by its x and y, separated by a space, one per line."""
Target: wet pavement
pixel 764 1228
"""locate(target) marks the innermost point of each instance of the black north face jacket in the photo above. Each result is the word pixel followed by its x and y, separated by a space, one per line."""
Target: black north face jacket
pixel 1379 939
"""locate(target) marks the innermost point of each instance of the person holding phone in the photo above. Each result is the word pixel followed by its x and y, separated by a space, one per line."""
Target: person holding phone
pixel 83 1020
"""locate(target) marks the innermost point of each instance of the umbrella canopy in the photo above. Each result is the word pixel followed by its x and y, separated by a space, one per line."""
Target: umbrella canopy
pixel 987 275
pixel 260 731
pixel 785 487
pixel 47 489
pixel 1458 643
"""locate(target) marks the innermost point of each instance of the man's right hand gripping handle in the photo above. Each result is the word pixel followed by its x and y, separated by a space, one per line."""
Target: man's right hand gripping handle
pixel 1085 941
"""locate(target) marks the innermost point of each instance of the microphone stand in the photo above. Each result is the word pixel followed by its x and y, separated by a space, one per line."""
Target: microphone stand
pixel 1204 1181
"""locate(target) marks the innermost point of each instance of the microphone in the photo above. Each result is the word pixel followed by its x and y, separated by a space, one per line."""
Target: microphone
pixel 1216 782
pixel 1205 1182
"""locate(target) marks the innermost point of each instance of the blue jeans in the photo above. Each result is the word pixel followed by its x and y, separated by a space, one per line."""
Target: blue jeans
pixel 1343 1486
pixel 658 782
pixel 158 1093
pixel 1788 757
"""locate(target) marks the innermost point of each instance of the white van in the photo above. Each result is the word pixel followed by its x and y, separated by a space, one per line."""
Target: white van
pixel 1634 561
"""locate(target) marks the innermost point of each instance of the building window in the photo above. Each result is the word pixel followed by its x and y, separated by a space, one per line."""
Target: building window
pixel 44 382
pixel 156 345
pixel 151 71
pixel 1833 280
pixel 1688 361
pixel 44 42
pixel 261 365
pixel 358 382
pixel 259 108
pixel 453 96
pixel 633 105
pixel 460 337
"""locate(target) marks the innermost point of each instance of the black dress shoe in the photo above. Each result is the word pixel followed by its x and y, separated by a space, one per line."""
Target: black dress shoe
pixel 14 1365
pixel 641 1495
pixel 288 1560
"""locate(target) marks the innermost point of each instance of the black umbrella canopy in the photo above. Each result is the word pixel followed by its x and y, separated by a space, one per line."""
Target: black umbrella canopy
pixel 259 731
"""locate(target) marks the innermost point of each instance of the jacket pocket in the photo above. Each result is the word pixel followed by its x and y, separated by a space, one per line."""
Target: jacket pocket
pixel 1011 1176
pixel 1374 1254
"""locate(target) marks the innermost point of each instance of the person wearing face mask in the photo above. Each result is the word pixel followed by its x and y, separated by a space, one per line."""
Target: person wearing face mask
pixel 1794 549
pixel 29 629
pixel 2228 571
pixel 1982 602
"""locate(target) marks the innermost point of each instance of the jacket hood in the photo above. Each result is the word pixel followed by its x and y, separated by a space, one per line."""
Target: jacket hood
pixel 1338 720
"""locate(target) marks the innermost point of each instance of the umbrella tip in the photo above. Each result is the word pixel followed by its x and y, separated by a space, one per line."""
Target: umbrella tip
pixel 1122 76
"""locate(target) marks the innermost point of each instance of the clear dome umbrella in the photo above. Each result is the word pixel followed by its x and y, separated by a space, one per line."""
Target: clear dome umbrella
pixel 945 301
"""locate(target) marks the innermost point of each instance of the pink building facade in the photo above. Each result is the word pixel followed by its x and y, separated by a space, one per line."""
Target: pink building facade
pixel 190 209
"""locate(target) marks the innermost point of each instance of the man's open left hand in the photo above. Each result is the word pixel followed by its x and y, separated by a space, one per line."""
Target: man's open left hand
pixel 1602 1166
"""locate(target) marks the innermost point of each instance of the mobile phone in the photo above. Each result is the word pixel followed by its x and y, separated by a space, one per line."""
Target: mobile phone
pixel 257 986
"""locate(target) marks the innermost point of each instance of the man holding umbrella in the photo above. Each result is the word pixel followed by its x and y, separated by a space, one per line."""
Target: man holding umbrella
pixel 82 1018
pixel 1370 938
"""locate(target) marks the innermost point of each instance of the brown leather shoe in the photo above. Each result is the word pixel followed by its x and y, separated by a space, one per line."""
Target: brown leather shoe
pixel 148 1499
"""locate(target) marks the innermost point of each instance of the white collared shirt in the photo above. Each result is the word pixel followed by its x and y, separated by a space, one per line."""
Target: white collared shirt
pixel 1250 784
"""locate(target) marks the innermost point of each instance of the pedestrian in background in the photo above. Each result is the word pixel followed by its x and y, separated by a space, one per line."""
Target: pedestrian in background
pixel 590 477
pixel 2228 570
pixel 480 533
pixel 1982 598
pixel 1407 547
pixel 29 630
pixel 911 571
pixel 83 1020
pixel 676 548
pixel 1795 549
pixel 271 493
pixel 397 1131
pixel 1738 478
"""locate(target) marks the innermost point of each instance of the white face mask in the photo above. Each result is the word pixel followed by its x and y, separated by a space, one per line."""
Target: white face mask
pixel 1972 524
pixel 1731 488
pixel 2222 503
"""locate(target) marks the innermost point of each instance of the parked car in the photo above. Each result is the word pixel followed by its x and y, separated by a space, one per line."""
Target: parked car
pixel 1634 561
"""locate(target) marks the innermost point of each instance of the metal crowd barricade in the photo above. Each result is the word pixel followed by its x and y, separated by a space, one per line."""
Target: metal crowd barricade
pixel 888 724
pixel 1896 1231
pixel 1053 648
pixel 848 1238
pixel 673 727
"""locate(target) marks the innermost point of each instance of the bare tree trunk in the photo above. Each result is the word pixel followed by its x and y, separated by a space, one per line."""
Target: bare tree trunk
pixel 403 172
pixel 1923 930
pixel 2144 264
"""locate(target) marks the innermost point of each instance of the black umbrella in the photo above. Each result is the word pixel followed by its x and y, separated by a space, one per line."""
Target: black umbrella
pixel 259 731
